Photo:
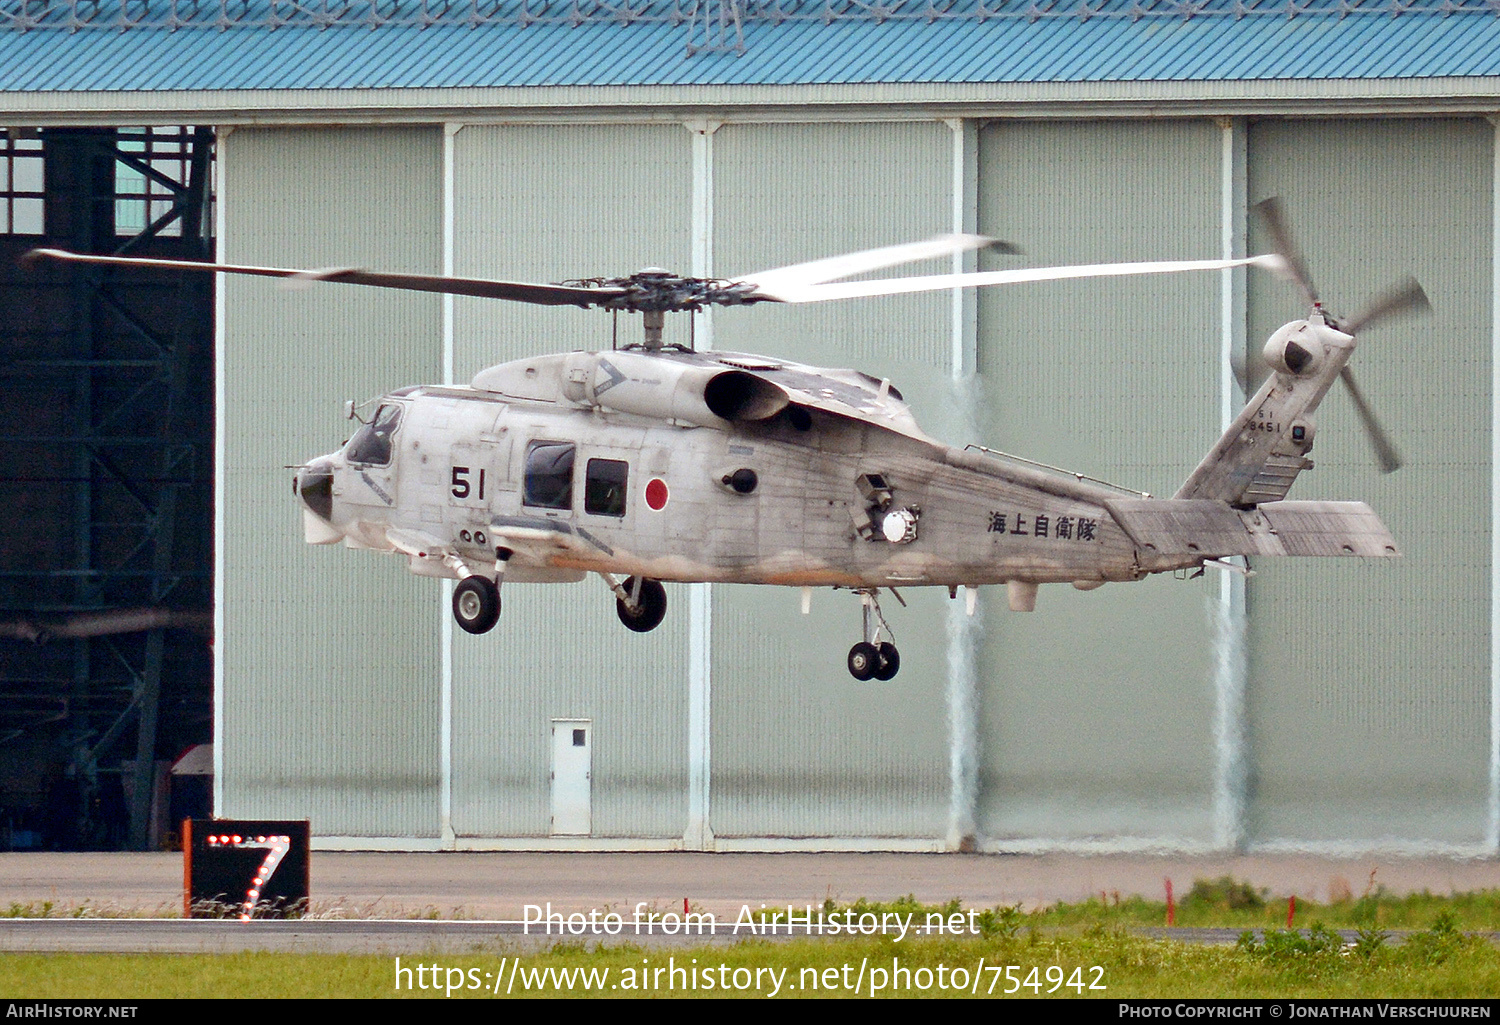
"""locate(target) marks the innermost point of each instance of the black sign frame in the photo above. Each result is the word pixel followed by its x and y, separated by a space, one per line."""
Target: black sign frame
pixel 246 868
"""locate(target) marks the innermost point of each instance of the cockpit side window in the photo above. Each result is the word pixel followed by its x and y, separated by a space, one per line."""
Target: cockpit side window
pixel 371 444
pixel 549 474
pixel 604 487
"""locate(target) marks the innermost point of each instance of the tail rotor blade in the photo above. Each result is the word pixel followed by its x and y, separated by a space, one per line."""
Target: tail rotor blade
pixel 1404 297
pixel 1240 371
pixel 1407 295
pixel 1385 452
pixel 1275 219
pixel 1248 375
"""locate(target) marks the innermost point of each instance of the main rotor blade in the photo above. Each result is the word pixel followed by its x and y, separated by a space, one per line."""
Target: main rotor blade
pixel 1271 212
pixel 1385 452
pixel 1407 295
pixel 897 286
pixel 831 268
pixel 485 288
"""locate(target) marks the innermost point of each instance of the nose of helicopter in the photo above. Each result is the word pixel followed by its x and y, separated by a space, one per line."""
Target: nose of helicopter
pixel 313 484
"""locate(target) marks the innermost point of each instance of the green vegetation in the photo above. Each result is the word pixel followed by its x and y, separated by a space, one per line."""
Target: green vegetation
pixel 1225 902
pixel 1087 949
pixel 1219 903
pixel 1438 962
pixel 1211 903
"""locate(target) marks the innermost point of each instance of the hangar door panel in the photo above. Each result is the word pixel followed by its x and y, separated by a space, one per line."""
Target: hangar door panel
pixel 1369 683
pixel 1096 710
pixel 548 203
pixel 329 657
pixel 799 747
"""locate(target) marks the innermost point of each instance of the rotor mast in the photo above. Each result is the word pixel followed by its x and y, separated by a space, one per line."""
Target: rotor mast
pixel 652 323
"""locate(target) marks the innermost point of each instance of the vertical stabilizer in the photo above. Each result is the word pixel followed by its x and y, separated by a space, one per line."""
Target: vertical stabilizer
pixel 1265 448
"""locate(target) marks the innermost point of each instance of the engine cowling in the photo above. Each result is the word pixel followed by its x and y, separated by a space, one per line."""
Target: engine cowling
pixel 708 396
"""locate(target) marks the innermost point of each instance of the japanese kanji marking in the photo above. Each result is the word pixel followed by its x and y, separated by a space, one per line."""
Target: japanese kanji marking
pixel 1067 528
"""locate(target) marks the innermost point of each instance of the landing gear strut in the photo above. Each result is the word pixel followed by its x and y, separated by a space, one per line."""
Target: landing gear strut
pixel 476 599
pixel 874 656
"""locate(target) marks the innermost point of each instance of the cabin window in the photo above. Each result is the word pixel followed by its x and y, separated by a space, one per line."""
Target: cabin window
pixel 371 444
pixel 549 474
pixel 604 487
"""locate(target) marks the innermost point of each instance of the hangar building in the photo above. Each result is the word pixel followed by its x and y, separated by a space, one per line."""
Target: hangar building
pixel 1328 705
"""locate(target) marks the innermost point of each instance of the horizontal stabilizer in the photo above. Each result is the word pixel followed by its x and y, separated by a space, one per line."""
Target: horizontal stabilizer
pixel 1194 527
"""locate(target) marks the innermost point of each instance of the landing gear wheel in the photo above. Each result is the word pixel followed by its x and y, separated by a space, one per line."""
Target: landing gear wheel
pixel 476 604
pixel 646 616
pixel 890 661
pixel 864 659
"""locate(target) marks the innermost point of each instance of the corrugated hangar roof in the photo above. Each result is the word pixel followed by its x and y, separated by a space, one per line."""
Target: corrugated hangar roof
pixel 154 45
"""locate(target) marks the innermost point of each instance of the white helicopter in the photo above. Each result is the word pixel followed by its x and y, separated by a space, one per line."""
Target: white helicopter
pixel 655 462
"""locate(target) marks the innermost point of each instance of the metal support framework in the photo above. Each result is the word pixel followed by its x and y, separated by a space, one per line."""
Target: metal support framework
pixel 965 630
pixel 445 598
pixel 716 26
pixel 120 447
pixel 1231 670
pixel 699 832
pixel 707 19
pixel 1492 825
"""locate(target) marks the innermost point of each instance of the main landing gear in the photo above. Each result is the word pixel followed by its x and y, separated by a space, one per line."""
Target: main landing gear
pixel 874 657
pixel 640 602
pixel 476 599
pixel 476 604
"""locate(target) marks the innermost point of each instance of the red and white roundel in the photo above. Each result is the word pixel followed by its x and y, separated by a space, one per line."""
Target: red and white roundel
pixel 656 494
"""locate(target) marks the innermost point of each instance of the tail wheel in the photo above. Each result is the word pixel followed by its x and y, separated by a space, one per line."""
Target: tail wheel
pixel 476 604
pixel 890 661
pixel 652 609
pixel 864 660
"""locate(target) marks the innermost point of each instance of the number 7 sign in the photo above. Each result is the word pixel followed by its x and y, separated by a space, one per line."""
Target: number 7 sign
pixel 245 868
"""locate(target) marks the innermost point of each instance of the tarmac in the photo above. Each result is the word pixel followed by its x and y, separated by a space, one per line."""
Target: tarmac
pixel 499 886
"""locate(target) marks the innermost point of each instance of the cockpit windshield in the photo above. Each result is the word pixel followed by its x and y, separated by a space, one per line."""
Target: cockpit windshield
pixel 371 444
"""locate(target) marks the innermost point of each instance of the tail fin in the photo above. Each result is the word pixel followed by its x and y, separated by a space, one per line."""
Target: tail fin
pixel 1261 453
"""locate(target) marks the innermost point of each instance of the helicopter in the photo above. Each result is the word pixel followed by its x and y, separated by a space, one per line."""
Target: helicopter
pixel 654 462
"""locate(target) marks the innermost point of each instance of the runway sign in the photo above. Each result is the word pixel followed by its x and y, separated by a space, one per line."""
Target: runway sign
pixel 245 868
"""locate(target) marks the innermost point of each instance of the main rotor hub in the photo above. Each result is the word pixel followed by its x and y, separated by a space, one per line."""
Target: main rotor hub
pixel 654 289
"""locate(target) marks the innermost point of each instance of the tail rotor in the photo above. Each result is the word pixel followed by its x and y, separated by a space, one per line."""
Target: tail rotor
pixel 1402 298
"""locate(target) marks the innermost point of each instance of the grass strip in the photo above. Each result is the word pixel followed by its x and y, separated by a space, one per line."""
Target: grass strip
pixel 1441 961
